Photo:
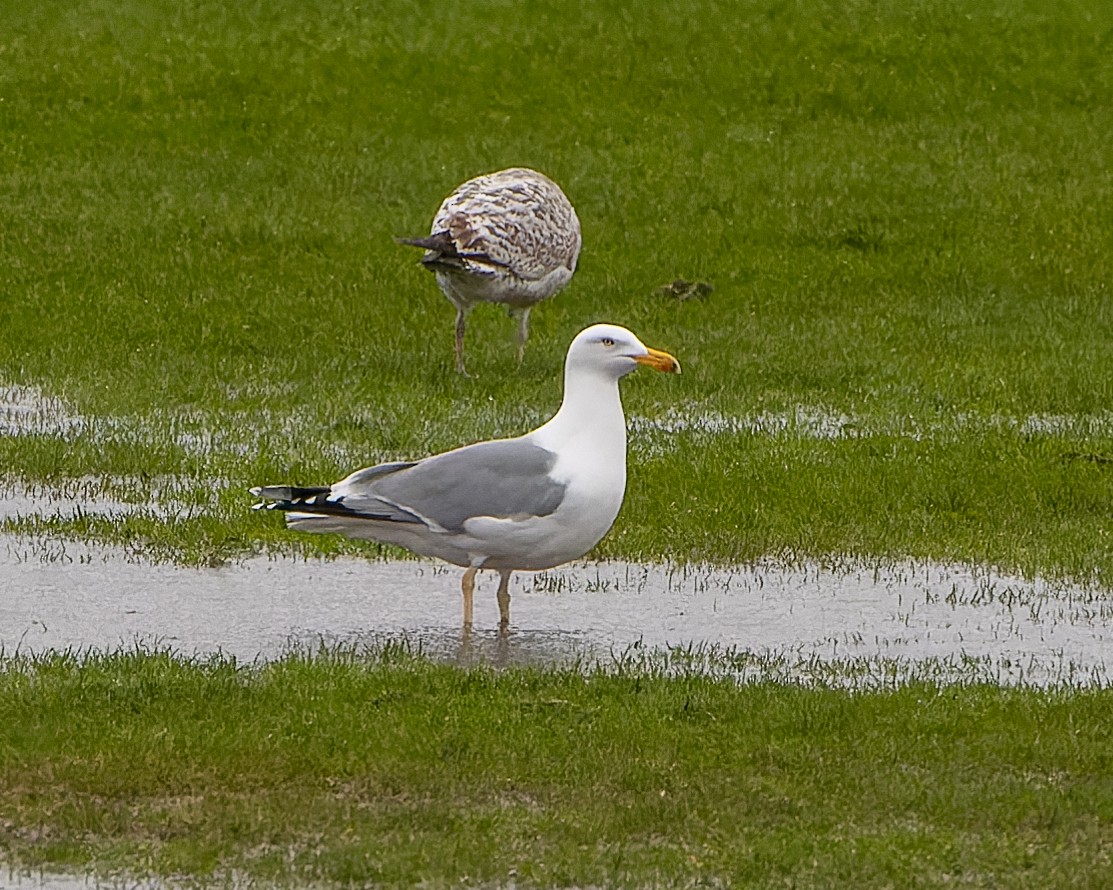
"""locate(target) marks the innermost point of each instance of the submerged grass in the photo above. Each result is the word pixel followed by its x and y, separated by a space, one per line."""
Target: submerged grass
pixel 390 770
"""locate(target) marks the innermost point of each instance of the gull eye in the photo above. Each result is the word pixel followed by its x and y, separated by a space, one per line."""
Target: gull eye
pixel 607 341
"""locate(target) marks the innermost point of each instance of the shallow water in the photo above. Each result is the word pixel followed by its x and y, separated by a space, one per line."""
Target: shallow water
pixel 16 880
pixel 827 423
pixel 975 623
pixel 28 410
pixel 84 497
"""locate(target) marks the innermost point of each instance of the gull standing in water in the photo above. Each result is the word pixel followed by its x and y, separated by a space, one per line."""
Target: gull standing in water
pixel 528 503
pixel 510 237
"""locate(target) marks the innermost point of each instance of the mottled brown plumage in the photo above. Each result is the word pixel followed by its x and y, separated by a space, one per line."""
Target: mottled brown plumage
pixel 510 237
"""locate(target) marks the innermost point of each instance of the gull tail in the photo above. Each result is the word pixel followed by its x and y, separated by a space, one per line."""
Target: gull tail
pixel 286 497
pixel 440 251
pixel 304 505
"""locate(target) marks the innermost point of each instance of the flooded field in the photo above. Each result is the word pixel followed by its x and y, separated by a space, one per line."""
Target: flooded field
pixel 903 619
pixel 887 621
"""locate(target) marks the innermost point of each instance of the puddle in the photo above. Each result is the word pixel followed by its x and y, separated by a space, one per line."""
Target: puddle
pixel 951 622
pixel 157 497
pixel 804 422
pixel 824 423
pixel 27 410
pixel 34 880
pixel 15 880
pixel 77 496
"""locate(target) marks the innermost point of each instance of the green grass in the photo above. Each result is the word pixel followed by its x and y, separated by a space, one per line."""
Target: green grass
pixel 903 208
pixel 394 771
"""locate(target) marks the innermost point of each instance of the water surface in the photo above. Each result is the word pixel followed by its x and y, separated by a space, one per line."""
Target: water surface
pixel 63 595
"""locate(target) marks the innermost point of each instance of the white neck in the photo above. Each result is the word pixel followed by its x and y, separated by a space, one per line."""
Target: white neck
pixel 591 413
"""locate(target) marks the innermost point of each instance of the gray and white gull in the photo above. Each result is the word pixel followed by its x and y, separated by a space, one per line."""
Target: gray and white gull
pixel 527 503
pixel 510 237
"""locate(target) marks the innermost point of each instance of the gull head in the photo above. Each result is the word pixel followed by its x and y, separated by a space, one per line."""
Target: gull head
pixel 612 351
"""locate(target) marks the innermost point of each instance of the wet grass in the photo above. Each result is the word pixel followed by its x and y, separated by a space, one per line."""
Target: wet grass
pixel 390 770
pixel 903 212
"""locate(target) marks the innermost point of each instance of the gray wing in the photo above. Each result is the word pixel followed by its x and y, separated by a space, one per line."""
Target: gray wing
pixel 504 479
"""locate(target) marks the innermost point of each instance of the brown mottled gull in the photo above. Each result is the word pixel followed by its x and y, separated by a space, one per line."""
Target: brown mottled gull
pixel 510 237
pixel 528 503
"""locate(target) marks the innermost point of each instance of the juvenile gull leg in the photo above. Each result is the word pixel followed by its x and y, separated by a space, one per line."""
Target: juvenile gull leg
pixel 523 330
pixel 504 599
pixel 467 585
pixel 461 324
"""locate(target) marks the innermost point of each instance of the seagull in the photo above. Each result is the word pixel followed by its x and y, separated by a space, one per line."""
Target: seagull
pixel 522 504
pixel 509 237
